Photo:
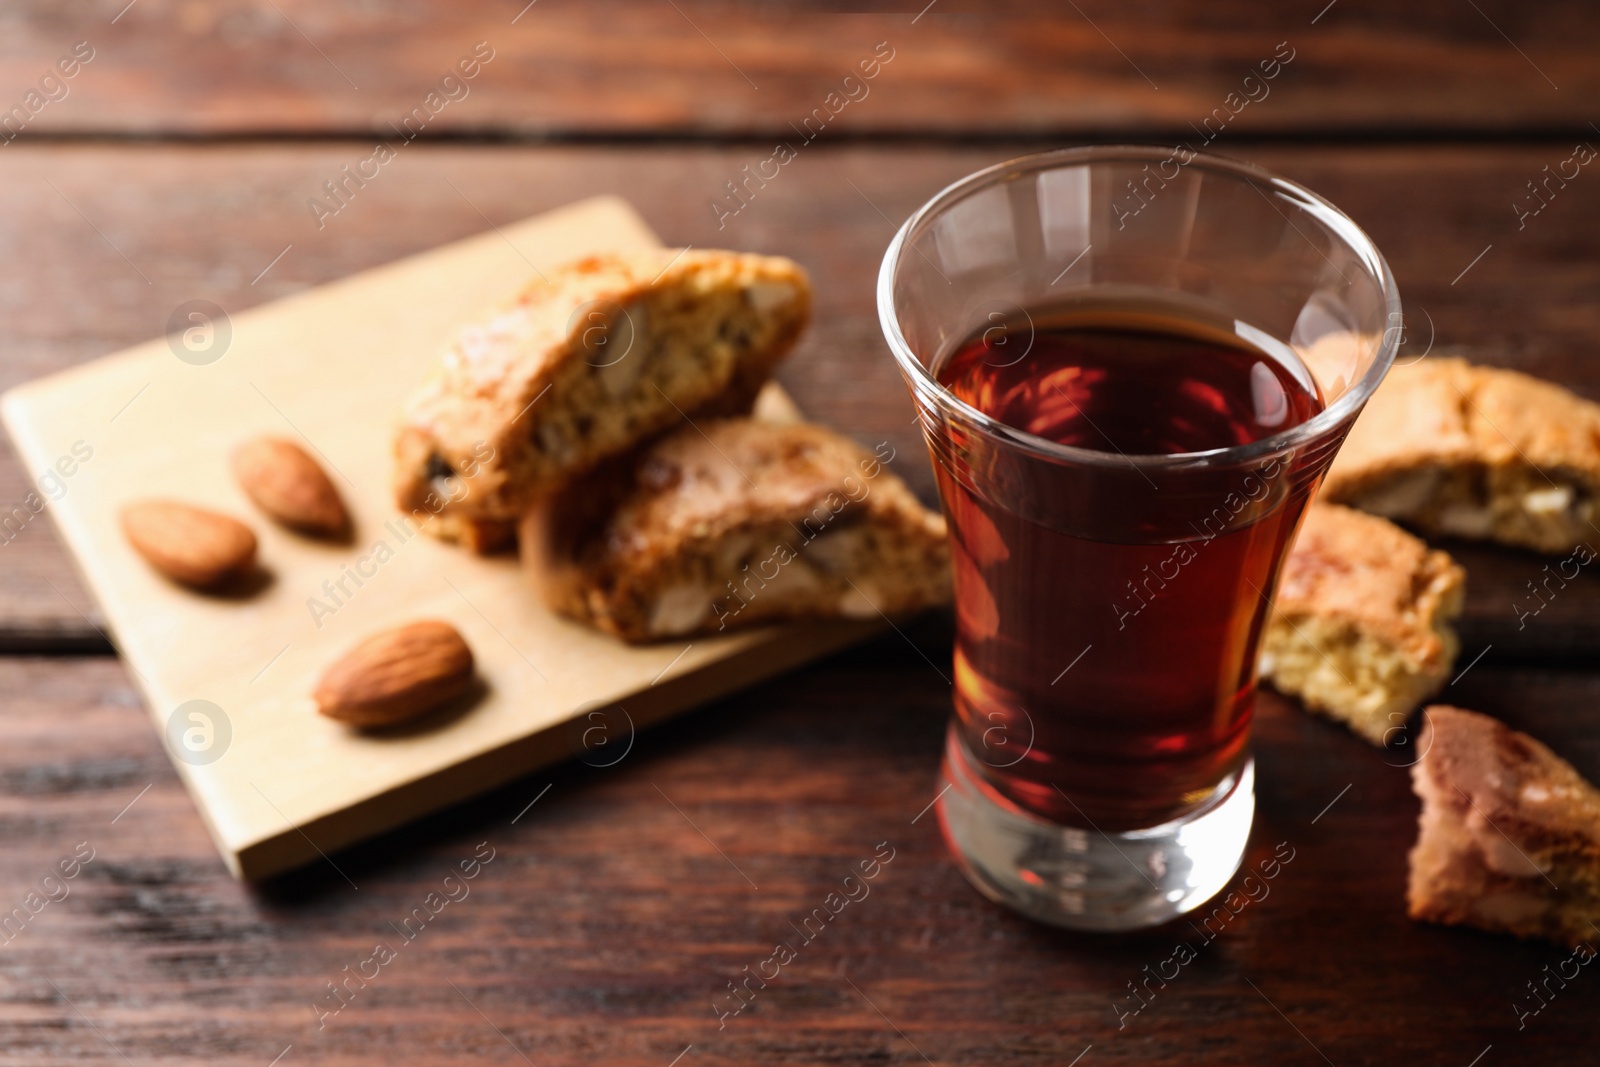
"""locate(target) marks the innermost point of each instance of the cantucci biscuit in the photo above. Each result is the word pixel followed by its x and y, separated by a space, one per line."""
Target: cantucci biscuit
pixel 1360 629
pixel 732 522
pixel 1509 838
pixel 583 365
pixel 1450 448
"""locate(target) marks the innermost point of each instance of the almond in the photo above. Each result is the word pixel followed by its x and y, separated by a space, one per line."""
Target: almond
pixel 396 675
pixel 289 485
pixel 189 544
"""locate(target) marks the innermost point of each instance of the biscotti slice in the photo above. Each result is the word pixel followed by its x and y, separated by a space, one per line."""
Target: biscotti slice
pixel 1360 629
pixel 1450 448
pixel 733 522
pixel 583 365
pixel 1510 833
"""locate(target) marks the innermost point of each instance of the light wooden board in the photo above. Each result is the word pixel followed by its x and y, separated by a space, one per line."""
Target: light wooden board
pixel 331 366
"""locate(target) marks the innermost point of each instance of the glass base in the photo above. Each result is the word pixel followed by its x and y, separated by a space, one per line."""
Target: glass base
pixel 1085 879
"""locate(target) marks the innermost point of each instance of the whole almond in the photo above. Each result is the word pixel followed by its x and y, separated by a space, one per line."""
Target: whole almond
pixel 289 485
pixel 189 544
pixel 396 675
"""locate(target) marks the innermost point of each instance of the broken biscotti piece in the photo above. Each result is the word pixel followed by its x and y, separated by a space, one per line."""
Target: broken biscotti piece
pixel 1510 833
pixel 1454 449
pixel 582 365
pixel 1360 629
pixel 745 522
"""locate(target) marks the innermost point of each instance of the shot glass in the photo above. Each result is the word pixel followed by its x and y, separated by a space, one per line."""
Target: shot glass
pixel 1109 602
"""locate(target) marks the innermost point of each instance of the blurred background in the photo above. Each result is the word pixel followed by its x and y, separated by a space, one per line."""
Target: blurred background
pixel 188 156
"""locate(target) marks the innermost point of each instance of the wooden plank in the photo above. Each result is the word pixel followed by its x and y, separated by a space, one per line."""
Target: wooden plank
pixel 616 911
pixel 205 222
pixel 329 367
pixel 696 68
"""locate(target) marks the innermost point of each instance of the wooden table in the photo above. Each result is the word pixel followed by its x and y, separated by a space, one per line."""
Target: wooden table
pixel 620 903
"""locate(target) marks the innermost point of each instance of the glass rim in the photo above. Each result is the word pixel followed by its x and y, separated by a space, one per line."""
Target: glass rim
pixel 923 381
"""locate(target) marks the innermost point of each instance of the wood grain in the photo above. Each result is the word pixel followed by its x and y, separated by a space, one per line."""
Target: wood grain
pixel 608 923
pixel 182 223
pixel 616 909
pixel 692 68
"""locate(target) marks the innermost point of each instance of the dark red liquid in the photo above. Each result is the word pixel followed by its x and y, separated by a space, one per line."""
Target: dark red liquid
pixel 1108 616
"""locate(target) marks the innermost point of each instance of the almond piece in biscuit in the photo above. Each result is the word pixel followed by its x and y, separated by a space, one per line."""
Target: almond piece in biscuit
pixel 1510 833
pixel 734 522
pixel 1360 628
pixel 1460 450
pixel 583 365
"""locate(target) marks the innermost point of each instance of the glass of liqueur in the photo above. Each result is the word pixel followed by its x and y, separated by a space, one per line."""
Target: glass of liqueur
pixel 1132 367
